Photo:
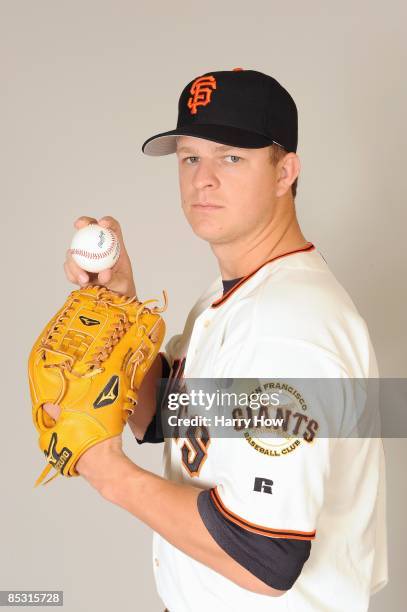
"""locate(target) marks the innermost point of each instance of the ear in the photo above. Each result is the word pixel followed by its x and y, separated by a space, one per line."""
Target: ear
pixel 288 168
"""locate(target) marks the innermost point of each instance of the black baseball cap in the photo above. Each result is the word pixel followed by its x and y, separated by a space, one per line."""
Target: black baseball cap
pixel 241 108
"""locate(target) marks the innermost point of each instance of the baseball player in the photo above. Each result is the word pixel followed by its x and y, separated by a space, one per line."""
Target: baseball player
pixel 295 523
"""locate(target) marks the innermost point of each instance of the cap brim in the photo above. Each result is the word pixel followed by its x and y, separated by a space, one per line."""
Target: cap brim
pixel 166 143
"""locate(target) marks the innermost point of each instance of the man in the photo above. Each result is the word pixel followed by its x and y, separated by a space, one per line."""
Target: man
pixel 291 524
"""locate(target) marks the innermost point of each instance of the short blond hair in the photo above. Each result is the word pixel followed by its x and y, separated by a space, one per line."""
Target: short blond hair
pixel 276 153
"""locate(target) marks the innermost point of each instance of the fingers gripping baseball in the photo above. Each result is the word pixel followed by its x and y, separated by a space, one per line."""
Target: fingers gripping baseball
pixel 118 274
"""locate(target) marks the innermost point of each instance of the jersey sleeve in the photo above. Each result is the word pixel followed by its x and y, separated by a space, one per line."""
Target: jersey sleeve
pixel 265 506
pixel 276 486
pixel 276 561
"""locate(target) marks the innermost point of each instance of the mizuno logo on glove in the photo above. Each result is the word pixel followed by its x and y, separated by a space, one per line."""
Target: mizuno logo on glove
pixel 58 460
pixel 87 321
pixel 109 393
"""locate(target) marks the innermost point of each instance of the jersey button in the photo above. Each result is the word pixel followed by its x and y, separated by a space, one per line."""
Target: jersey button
pixel 156 561
pixel 207 323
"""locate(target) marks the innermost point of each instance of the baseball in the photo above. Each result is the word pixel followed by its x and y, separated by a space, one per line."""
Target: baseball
pixel 95 248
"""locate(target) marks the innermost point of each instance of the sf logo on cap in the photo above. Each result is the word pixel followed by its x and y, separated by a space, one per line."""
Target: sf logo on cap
pixel 201 91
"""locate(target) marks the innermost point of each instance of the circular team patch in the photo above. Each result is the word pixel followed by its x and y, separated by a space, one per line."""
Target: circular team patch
pixel 279 430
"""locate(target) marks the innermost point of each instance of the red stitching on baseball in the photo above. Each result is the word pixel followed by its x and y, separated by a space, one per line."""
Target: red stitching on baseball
pixel 90 255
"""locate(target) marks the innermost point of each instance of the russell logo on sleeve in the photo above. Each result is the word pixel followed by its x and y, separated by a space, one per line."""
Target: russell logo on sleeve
pixel 263 485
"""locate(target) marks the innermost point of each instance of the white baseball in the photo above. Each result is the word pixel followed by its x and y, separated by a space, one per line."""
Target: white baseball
pixel 95 248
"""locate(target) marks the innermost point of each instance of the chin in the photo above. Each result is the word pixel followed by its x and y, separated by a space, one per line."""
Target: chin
pixel 207 233
pixel 209 229
pixel 212 237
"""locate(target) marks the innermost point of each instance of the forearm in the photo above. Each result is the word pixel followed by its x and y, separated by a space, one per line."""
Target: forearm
pixel 144 495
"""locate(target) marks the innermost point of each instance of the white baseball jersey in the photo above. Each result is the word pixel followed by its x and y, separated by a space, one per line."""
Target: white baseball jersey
pixel 290 318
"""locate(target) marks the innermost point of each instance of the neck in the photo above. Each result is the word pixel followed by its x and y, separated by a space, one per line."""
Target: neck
pixel 245 254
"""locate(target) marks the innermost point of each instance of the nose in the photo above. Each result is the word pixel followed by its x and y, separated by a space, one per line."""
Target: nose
pixel 205 176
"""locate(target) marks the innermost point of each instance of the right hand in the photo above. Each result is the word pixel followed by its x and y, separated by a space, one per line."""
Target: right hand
pixel 119 278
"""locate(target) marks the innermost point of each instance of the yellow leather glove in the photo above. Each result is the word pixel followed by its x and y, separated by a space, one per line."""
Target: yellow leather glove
pixel 90 359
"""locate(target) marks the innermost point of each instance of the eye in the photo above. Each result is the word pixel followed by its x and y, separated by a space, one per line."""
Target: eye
pixel 190 160
pixel 233 158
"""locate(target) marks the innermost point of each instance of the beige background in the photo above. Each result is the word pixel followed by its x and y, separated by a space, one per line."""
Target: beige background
pixel 84 83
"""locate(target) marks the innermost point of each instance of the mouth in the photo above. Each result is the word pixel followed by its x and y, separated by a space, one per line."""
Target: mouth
pixel 206 206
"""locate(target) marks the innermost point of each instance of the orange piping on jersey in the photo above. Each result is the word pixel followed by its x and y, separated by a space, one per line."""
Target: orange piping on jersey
pixel 227 295
pixel 259 529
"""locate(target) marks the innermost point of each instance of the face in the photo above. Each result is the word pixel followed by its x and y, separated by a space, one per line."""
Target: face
pixel 228 193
